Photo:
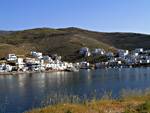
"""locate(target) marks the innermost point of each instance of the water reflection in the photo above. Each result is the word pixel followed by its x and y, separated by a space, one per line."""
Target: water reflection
pixel 22 92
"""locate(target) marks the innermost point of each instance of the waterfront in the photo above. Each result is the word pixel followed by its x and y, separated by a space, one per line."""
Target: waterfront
pixel 25 91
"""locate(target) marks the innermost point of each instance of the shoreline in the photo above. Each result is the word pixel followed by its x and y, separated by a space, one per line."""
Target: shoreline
pixel 28 72
pixel 49 71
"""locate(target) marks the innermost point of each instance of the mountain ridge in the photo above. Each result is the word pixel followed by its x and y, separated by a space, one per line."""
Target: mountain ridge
pixel 67 41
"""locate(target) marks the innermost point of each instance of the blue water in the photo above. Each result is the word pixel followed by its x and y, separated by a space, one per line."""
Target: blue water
pixel 23 92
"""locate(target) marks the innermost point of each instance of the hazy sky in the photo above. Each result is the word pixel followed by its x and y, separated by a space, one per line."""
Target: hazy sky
pixel 99 15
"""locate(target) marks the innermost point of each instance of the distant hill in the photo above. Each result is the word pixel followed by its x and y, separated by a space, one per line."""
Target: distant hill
pixel 5 32
pixel 67 41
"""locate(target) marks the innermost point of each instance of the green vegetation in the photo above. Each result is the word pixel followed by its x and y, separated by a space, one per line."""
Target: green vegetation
pixel 95 59
pixel 66 42
pixel 92 59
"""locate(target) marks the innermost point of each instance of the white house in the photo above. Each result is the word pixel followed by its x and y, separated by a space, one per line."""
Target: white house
pixel 119 62
pixel 98 51
pixel 36 54
pixel 2 67
pixel 84 65
pixel 123 53
pixel 85 51
pixel 47 59
pixel 139 50
pixel 136 52
pixel 32 61
pixel 7 68
pixel 20 63
pixel 11 57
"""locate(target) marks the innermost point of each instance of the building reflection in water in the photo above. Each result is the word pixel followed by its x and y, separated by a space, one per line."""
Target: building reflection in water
pixel 27 90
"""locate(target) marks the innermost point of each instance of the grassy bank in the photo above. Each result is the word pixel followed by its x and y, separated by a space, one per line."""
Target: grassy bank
pixel 128 104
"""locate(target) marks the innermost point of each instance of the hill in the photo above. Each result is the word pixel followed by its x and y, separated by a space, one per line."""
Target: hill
pixel 5 32
pixel 67 41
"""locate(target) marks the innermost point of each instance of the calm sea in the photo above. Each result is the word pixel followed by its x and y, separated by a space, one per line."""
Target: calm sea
pixel 26 91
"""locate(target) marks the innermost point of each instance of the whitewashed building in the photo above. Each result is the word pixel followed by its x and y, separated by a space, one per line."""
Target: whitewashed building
pixel 85 51
pixel 139 50
pixel 98 51
pixel 11 57
pixel 38 55
pixel 7 67
pixel 84 65
pixel 123 53
pixel 20 63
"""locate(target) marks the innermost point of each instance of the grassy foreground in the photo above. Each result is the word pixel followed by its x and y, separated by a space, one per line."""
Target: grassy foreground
pixel 133 104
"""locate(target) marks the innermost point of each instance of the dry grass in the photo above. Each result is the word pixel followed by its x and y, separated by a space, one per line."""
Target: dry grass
pixel 128 105
pixel 130 101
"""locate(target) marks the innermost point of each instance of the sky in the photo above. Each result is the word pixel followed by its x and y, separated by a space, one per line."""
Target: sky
pixel 96 15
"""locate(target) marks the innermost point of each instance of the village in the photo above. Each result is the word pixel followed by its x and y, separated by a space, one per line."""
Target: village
pixel 119 59
pixel 37 62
